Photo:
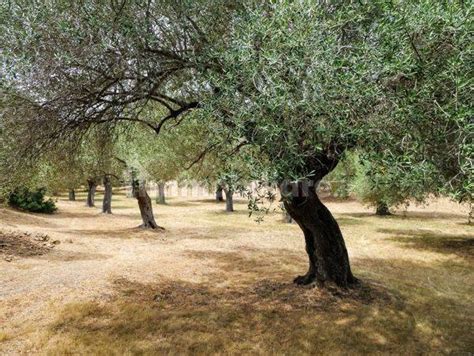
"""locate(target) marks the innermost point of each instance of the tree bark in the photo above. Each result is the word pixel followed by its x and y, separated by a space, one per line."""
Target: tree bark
pixel 72 195
pixel 229 200
pixel 134 183
pixel 469 216
pixel 160 198
pixel 219 195
pixel 146 209
pixel 328 258
pixel 382 209
pixel 91 187
pixel 107 202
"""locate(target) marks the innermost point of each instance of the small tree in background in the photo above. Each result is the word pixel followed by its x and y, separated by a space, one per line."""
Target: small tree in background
pixel 383 186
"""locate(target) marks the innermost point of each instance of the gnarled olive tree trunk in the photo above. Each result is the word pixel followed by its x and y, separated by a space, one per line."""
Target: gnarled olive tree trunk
pixel 328 258
pixel 229 200
pixel 72 195
pixel 144 204
pixel 107 201
pixel 160 198
pixel 219 195
pixel 91 187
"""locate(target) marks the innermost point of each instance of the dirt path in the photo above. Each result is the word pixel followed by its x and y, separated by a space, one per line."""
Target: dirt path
pixel 96 250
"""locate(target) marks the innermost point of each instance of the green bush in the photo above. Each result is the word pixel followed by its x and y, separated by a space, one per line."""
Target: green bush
pixel 34 201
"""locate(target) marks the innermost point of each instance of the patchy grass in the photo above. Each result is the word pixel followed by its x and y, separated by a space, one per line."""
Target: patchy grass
pixel 438 241
pixel 218 283
pixel 263 317
pixel 239 312
pixel 249 306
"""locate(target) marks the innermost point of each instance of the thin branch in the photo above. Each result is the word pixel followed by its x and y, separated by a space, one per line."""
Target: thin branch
pixel 120 118
pixel 201 156
pixel 175 113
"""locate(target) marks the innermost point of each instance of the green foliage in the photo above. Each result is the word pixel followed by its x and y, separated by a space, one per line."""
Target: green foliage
pixel 340 180
pixel 300 82
pixel 376 183
pixel 33 201
pixel 396 181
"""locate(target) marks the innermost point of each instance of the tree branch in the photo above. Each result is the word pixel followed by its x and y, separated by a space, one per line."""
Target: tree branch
pixel 201 156
pixel 175 113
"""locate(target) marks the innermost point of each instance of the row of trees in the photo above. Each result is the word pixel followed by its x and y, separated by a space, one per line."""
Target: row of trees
pixel 116 156
pixel 279 92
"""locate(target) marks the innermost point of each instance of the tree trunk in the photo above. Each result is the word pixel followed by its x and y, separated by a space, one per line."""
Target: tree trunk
pixel 134 184
pixel 107 202
pixel 382 209
pixel 328 258
pixel 219 195
pixel 146 209
pixel 469 216
pixel 229 200
pixel 160 198
pixel 72 195
pixel 91 186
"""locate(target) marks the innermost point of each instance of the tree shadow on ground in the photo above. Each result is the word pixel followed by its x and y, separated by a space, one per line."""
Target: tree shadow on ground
pixel 458 244
pixel 248 305
pixel 263 317
pixel 327 198
pixel 93 212
pixel 222 211
pixel 410 215
pixel 207 201
pixel 68 256
pixel 123 207
pixel 348 221
pixel 178 203
pixel 125 234
pixel 200 202
pixel 14 217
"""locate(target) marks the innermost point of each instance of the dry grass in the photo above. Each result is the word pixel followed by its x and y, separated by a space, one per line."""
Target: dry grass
pixel 218 283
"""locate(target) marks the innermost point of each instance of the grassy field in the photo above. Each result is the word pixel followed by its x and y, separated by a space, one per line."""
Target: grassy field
pixel 217 282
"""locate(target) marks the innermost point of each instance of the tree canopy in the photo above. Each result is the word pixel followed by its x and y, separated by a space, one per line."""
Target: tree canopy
pixel 297 82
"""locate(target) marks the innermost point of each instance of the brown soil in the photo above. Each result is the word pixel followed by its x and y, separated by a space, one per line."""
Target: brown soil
pixel 217 282
pixel 24 244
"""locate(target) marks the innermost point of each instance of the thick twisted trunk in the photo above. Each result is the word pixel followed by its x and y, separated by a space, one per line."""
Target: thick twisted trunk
pixel 160 198
pixel 144 204
pixel 229 200
pixel 328 258
pixel 72 195
pixel 91 187
pixel 107 202
pixel 219 195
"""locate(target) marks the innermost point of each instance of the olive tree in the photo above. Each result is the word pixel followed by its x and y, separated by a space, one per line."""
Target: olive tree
pixel 299 82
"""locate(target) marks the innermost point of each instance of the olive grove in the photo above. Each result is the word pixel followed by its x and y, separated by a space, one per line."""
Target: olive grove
pixel 293 84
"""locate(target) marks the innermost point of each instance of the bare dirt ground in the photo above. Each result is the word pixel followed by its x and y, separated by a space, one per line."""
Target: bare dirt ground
pixel 217 282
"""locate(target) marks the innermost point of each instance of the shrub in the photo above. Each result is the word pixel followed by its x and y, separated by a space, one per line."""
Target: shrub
pixel 34 201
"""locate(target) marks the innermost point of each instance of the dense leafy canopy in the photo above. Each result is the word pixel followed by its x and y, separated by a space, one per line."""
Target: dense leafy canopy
pixel 299 81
